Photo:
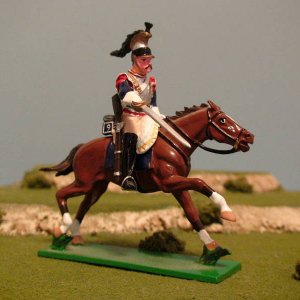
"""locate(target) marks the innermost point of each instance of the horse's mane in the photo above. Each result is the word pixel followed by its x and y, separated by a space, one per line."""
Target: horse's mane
pixel 188 110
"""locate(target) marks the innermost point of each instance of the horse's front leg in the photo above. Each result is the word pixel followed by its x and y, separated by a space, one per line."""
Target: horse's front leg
pixel 212 251
pixel 179 183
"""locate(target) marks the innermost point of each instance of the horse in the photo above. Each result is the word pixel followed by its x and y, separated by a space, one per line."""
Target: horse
pixel 168 171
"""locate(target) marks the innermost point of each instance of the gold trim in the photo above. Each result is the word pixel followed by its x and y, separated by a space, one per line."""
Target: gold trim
pixel 141 37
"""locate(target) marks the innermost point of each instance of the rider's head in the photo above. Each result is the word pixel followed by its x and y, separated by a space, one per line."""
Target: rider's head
pixel 141 64
pixel 137 44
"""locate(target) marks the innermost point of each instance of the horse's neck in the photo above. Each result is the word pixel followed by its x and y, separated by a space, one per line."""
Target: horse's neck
pixel 194 125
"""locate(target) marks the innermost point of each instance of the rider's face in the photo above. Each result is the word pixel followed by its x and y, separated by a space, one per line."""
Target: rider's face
pixel 142 65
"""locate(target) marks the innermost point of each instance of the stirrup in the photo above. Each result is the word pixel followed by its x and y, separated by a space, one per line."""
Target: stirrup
pixel 129 184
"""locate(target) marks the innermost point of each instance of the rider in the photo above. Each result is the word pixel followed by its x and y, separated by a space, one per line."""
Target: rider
pixel 135 89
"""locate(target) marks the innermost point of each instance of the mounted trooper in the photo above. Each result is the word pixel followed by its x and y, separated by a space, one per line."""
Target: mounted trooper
pixel 135 90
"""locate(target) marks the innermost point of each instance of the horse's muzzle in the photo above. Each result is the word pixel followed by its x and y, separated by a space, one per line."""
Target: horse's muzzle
pixel 244 140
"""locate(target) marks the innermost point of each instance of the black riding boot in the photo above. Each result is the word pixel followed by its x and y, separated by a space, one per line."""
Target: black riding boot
pixel 128 161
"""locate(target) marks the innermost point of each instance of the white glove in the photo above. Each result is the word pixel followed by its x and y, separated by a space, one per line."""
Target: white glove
pixel 130 97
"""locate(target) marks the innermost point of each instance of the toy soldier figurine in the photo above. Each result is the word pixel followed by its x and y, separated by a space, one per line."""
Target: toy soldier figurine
pixel 135 89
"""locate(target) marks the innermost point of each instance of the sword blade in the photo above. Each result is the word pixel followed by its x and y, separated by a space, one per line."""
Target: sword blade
pixel 164 124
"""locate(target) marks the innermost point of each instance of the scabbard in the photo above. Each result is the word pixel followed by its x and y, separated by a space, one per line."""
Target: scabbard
pixel 117 107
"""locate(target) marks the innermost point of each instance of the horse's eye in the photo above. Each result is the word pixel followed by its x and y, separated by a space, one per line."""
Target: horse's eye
pixel 223 121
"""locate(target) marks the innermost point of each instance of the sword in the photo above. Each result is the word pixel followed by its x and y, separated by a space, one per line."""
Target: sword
pixel 158 119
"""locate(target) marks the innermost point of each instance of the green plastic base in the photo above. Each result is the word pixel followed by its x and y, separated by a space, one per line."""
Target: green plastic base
pixel 175 265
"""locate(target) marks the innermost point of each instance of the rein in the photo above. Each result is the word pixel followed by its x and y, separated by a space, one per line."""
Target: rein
pixel 200 145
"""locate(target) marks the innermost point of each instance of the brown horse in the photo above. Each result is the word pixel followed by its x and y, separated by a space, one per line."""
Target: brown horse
pixel 169 168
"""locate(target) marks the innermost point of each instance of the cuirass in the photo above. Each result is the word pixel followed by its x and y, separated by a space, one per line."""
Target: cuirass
pixel 142 86
pixel 146 93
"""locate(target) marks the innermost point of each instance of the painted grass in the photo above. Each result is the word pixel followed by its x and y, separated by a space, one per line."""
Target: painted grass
pixel 268 261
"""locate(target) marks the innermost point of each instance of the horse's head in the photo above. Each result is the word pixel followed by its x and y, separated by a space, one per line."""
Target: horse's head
pixel 224 129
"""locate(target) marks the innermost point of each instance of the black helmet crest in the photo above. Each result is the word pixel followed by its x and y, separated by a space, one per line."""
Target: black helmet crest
pixel 137 42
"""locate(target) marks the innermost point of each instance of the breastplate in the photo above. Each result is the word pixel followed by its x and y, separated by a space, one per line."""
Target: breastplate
pixel 146 93
pixel 143 87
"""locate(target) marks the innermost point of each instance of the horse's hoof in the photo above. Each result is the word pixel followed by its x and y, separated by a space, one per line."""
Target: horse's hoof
pixel 61 242
pixel 77 240
pixel 56 232
pixel 228 216
pixel 210 257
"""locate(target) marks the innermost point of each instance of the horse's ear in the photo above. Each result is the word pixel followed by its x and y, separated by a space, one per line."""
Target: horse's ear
pixel 213 106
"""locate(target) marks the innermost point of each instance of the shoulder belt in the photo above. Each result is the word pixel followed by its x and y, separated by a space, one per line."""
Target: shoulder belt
pixel 135 83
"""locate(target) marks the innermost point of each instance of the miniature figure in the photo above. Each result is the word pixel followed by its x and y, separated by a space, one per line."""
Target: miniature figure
pixel 167 161
pixel 136 90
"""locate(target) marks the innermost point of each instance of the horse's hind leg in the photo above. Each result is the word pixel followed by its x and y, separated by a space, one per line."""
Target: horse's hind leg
pixel 72 190
pixel 90 199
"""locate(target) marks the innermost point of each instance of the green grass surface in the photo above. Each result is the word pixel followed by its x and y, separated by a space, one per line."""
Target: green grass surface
pixel 108 202
pixel 268 262
pixel 137 202
pixel 280 198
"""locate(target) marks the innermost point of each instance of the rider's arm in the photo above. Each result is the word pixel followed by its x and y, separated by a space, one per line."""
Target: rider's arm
pixel 126 92
pixel 153 100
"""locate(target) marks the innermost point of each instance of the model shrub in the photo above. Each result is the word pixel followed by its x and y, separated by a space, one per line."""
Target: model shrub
pixel 2 214
pixel 297 271
pixel 239 184
pixel 162 241
pixel 35 179
pixel 209 212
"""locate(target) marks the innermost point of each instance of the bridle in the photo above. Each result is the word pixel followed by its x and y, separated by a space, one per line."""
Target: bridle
pixel 212 123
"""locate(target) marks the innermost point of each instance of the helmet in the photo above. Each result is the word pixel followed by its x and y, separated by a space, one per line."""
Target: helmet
pixel 137 43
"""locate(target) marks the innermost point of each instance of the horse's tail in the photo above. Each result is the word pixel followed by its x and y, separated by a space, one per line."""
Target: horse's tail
pixel 66 166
